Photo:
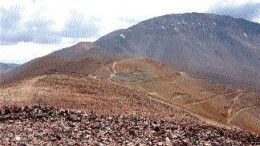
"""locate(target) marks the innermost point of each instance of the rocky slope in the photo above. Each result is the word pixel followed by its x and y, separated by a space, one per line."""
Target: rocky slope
pixel 45 125
pixel 212 47
pixel 216 102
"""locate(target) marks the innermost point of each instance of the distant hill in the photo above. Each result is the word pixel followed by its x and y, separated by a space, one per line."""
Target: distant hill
pixel 4 67
pixel 218 48
pixel 81 58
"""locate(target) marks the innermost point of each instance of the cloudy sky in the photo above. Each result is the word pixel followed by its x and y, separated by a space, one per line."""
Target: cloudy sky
pixel 33 28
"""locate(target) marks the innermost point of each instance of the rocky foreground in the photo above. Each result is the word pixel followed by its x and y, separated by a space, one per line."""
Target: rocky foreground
pixel 47 125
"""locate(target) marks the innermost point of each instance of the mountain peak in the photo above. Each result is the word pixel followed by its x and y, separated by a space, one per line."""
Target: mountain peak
pixel 205 45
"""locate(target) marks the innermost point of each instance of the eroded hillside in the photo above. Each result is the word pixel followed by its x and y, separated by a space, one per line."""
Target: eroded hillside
pixel 217 102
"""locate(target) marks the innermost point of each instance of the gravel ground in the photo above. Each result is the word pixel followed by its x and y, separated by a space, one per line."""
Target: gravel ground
pixel 49 126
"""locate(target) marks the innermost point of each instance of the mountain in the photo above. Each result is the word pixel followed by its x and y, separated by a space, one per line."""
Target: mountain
pixel 80 58
pixel 84 50
pixel 4 67
pixel 119 80
pixel 32 68
pixel 212 47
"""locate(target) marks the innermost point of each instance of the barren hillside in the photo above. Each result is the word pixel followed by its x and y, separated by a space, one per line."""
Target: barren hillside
pixel 82 58
pixel 85 93
pixel 216 102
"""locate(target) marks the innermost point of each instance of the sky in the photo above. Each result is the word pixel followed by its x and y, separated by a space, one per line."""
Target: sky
pixel 33 28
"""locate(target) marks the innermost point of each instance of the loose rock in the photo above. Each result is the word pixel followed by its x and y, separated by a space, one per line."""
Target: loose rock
pixel 49 126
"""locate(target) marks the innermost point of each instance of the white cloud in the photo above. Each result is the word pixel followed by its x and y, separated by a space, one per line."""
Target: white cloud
pixel 249 10
pixel 26 51
pixel 109 12
pixel 23 52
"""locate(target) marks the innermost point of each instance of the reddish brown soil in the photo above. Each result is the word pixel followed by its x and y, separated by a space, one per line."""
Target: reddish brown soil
pixel 84 93
pixel 216 102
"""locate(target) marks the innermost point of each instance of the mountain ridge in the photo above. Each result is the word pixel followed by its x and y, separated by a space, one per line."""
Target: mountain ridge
pixel 207 46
